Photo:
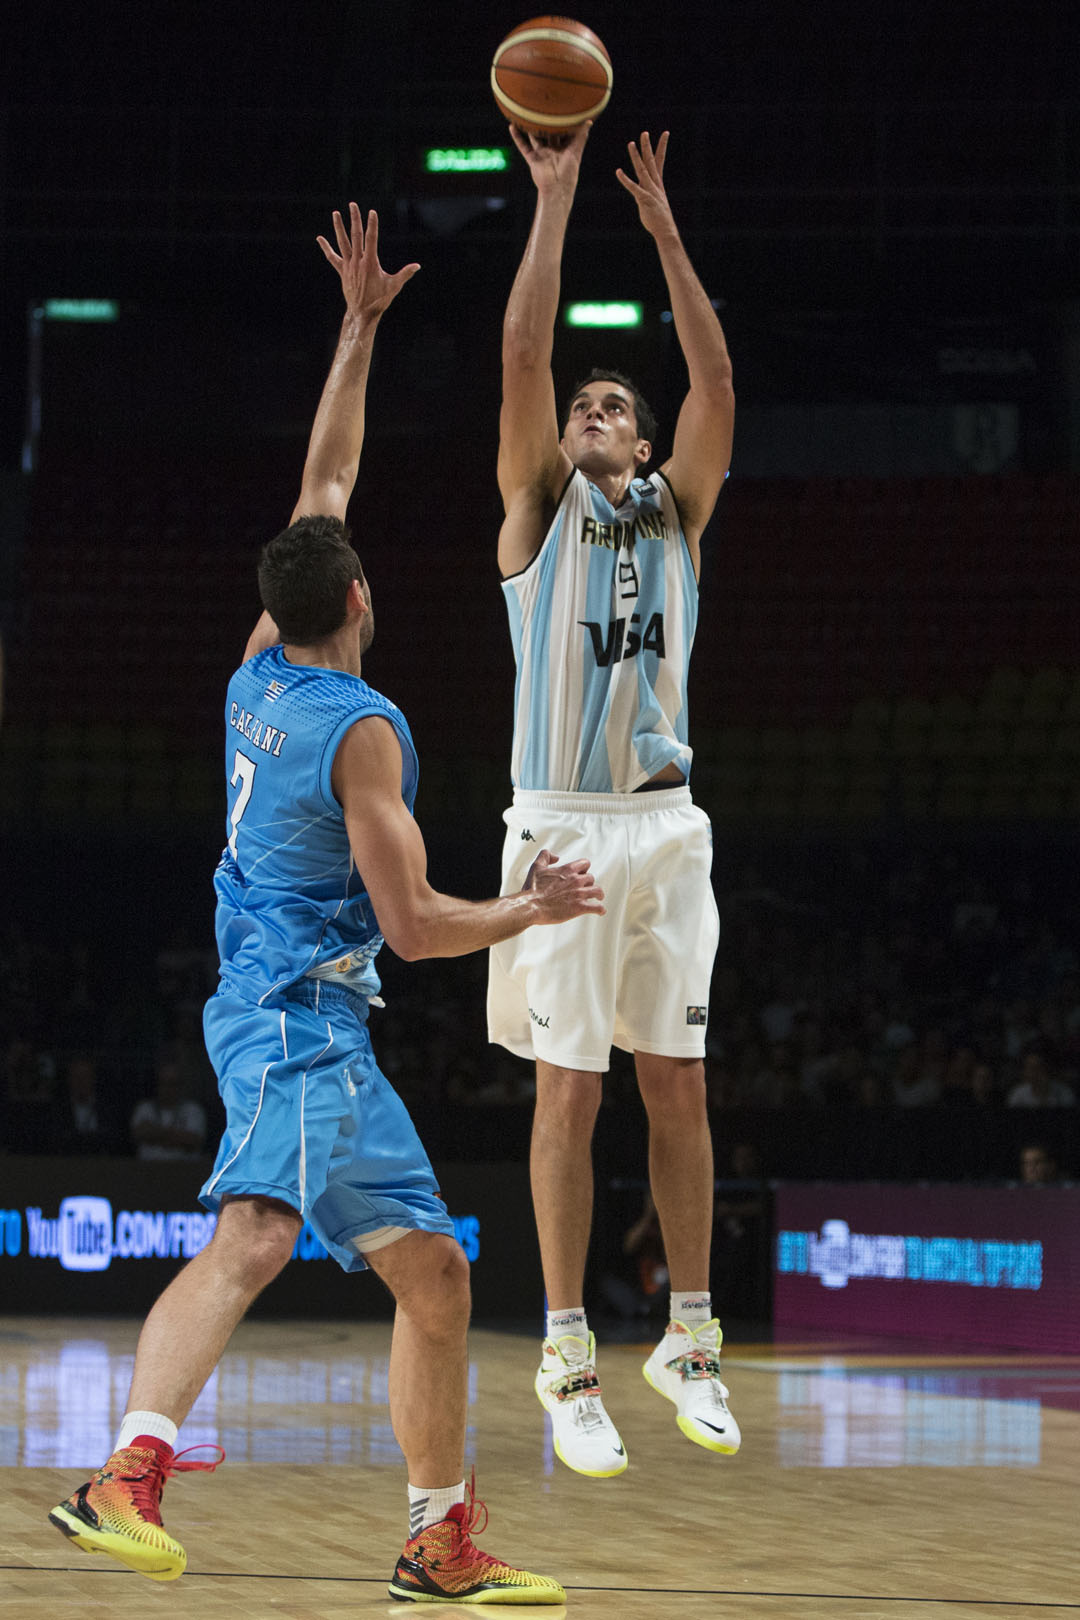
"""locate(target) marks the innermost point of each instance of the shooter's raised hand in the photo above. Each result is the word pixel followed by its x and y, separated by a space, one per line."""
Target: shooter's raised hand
pixel 554 160
pixel 648 189
pixel 368 288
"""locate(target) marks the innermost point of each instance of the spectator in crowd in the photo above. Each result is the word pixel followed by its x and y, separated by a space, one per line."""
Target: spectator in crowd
pixel 956 1090
pixel 645 1245
pixel 86 1122
pixel 27 1087
pixel 1069 1001
pixel 870 1091
pixel 740 1209
pixel 985 1091
pixel 1020 1027
pixel 1038 1087
pixel 898 1031
pixel 777 1017
pixel 1038 1167
pixel 776 1082
pixel 168 1125
pixel 745 1162
pixel 721 1085
pixel 852 1071
pixel 986 1029
pixel 634 1283
pixel 815 1064
pixel 914 1085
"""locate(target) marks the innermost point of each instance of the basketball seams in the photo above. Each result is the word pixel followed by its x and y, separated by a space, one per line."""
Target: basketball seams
pixel 558 36
pixel 559 121
pixel 549 73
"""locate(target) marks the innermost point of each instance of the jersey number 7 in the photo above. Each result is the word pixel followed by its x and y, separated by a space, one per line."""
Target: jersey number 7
pixel 244 773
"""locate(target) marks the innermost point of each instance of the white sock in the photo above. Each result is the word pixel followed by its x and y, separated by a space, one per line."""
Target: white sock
pixel 429 1506
pixel 155 1423
pixel 692 1310
pixel 572 1320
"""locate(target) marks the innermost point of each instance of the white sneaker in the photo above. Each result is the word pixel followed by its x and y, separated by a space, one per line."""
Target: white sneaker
pixel 685 1367
pixel 586 1440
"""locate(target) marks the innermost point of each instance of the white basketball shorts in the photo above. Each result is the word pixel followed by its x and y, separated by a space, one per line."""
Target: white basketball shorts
pixel 638 977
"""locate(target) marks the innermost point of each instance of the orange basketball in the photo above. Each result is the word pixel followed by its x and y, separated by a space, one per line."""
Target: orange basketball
pixel 550 74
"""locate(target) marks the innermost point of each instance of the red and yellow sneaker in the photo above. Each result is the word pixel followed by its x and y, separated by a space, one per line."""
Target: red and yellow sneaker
pixel 441 1565
pixel 119 1511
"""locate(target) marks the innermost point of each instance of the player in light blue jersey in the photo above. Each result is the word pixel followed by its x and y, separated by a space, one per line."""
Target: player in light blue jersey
pixel 600 566
pixel 323 861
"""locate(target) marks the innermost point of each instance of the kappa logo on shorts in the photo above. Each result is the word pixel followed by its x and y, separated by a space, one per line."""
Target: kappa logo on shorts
pixel 697 1015
pixel 526 836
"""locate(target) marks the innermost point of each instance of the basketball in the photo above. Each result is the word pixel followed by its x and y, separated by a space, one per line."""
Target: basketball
pixel 550 74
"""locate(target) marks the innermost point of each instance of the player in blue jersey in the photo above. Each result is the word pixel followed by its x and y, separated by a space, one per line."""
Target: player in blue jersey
pixel 323 861
pixel 600 566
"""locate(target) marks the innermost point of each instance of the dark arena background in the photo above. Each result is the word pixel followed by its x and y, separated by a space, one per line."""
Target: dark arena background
pixel 884 204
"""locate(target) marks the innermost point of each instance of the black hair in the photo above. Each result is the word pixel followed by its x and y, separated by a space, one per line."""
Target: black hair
pixel 643 413
pixel 304 577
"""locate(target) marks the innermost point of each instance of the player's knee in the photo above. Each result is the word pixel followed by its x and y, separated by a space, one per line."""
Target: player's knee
pixel 259 1235
pixel 677 1095
pixel 444 1295
pixel 454 1284
pixel 568 1100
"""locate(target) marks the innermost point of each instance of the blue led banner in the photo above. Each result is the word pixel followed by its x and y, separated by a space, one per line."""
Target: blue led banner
pixel 106 1235
pixel 975 1265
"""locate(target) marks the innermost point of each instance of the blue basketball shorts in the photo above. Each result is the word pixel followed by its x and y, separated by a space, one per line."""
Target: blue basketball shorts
pixel 311 1120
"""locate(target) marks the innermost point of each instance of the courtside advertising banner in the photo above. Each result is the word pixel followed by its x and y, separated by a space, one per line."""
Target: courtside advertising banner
pixel 993 1266
pixel 102 1235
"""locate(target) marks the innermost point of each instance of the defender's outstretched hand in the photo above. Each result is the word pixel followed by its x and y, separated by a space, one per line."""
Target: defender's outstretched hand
pixel 368 289
pixel 553 161
pixel 648 189
pixel 564 891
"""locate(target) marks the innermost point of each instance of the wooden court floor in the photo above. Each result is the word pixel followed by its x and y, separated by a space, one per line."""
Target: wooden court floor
pixel 869 1487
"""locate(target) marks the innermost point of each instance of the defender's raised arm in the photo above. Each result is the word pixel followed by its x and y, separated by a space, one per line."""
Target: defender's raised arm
pixel 337 436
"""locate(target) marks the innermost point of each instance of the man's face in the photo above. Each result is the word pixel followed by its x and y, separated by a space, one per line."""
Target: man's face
pixel 1036 1166
pixel 601 434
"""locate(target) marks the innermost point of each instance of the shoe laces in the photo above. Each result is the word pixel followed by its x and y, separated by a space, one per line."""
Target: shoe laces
pixel 148 1481
pixel 579 1387
pixel 702 1361
pixel 581 1390
pixel 470 1515
pixel 589 1413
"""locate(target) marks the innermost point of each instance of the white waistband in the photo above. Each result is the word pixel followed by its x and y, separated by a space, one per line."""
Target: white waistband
pixel 605 804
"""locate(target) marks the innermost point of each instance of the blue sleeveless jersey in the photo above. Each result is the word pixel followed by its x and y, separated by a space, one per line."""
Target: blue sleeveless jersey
pixel 290 902
pixel 603 621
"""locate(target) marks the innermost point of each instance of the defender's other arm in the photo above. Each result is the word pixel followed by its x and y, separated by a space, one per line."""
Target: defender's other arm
pixel 415 919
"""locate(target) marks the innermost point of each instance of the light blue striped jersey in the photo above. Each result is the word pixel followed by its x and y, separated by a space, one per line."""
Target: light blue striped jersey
pixel 603 622
pixel 290 902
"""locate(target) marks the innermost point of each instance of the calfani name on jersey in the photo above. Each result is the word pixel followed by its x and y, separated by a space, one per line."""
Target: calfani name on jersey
pixel 620 536
pixel 258 733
